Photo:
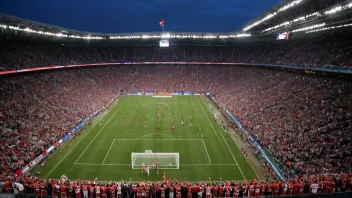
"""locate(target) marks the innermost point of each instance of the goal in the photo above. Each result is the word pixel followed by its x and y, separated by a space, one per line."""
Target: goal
pixel 165 160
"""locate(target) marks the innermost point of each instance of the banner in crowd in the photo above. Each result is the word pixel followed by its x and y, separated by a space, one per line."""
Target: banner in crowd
pixel 45 154
pixel 250 137
pixel 307 68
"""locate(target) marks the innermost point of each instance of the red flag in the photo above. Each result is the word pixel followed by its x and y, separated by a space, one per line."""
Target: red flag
pixel 161 23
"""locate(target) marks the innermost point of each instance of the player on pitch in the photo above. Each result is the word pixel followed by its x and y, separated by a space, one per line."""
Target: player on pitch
pixel 157 167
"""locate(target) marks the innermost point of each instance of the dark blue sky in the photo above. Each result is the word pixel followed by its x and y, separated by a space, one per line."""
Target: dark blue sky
pixel 117 16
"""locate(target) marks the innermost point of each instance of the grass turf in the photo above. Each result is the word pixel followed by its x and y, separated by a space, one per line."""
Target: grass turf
pixel 104 149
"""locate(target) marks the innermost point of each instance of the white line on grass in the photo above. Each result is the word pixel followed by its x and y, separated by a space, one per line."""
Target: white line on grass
pixel 108 151
pixel 140 99
pixel 223 138
pixel 100 131
pixel 209 122
pixel 75 146
pixel 208 164
pixel 163 139
pixel 92 164
pixel 206 151
pixel 154 134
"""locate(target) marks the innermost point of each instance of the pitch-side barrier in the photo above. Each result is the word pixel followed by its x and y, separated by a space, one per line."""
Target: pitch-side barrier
pixel 247 133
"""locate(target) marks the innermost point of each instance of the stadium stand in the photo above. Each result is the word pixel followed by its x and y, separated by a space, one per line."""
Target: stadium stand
pixel 276 106
pixel 330 50
pixel 303 120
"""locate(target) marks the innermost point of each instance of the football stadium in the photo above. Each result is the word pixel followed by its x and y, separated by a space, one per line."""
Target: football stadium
pixel 262 111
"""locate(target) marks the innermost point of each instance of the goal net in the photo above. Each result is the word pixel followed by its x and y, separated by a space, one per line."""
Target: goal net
pixel 165 160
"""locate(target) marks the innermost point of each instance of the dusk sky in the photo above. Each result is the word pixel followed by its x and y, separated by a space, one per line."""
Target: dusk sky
pixel 118 16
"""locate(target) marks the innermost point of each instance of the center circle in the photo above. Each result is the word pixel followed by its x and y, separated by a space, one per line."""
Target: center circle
pixel 161 117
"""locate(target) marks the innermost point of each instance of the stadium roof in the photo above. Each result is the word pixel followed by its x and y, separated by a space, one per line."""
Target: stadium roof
pixel 295 14
pixel 15 23
pixel 287 16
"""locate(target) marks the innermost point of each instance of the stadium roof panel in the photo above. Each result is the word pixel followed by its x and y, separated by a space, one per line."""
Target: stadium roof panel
pixel 297 11
pixel 287 16
pixel 18 22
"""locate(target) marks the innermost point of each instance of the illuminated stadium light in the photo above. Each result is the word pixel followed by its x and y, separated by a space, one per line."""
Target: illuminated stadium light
pixel 283 8
pixel 209 37
pixel 299 19
pixel 55 34
pixel 338 9
pixel 277 26
pixel 165 36
pixel 240 35
pixel 329 28
pixel 182 36
pixel 334 10
pixel 314 14
pixel 126 37
pixel 234 36
pixel 328 12
pixel 14 28
pixel 321 29
pixel 287 6
pixel 145 37
pixel 309 27
pixel 260 21
pixel 196 36
pixel 303 18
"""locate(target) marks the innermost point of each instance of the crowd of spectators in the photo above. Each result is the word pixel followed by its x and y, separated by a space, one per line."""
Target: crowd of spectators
pixel 36 110
pixel 175 189
pixel 303 120
pixel 329 51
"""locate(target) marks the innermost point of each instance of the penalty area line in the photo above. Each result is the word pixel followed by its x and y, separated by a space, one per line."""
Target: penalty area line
pixel 112 143
pixel 206 151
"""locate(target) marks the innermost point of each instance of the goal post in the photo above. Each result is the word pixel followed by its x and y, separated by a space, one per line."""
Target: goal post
pixel 165 160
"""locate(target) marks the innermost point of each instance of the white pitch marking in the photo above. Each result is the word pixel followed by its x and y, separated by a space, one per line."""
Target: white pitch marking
pixel 164 139
pixel 154 134
pixel 92 164
pixel 109 150
pixel 100 130
pixel 75 145
pixel 208 164
pixel 206 151
pixel 223 138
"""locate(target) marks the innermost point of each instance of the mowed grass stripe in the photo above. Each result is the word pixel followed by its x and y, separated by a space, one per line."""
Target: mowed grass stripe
pixel 192 153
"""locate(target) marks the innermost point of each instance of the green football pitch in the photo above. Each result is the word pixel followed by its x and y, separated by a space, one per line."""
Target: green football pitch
pixel 104 149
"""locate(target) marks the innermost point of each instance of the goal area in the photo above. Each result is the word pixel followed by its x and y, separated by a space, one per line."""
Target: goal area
pixel 164 160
